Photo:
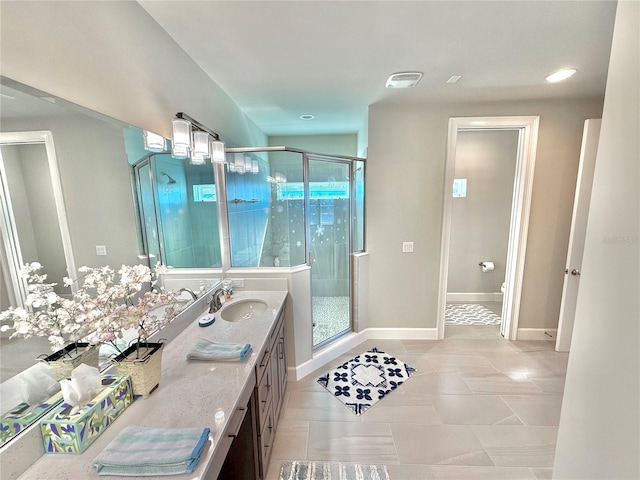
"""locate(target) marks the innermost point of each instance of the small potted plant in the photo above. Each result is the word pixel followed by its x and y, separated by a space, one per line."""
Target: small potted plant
pixel 116 309
pixel 47 314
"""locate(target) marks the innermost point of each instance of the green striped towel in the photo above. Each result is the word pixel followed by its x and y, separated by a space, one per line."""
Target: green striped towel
pixel 206 349
pixel 148 451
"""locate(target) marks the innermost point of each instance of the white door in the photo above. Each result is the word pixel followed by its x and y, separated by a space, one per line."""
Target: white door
pixel 590 137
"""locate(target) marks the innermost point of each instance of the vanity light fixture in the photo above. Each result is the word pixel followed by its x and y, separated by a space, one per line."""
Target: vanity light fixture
pixel 193 139
pixel 154 142
pixel 561 75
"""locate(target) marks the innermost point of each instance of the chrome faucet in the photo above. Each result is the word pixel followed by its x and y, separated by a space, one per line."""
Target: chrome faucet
pixel 190 292
pixel 216 304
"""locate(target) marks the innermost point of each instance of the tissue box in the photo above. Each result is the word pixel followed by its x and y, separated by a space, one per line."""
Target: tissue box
pixel 66 432
pixel 22 415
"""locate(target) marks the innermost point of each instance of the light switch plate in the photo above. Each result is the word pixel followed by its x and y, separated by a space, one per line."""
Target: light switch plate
pixel 407 247
pixel 101 250
pixel 238 282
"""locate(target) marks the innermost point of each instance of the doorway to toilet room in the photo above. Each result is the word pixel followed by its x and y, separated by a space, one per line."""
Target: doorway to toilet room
pixel 487 197
pixel 485 165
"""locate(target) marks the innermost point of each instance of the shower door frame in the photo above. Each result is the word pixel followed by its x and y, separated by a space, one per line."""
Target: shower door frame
pixel 224 225
pixel 329 159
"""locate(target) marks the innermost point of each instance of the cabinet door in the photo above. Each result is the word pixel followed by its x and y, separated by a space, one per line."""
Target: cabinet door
pixel 282 366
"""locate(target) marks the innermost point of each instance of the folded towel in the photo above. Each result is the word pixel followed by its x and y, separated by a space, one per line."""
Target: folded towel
pixel 206 349
pixel 147 451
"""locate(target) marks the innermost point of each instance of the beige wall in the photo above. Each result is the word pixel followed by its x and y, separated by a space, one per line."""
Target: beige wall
pixel 405 176
pixel 599 431
pixel 112 57
pixel 336 144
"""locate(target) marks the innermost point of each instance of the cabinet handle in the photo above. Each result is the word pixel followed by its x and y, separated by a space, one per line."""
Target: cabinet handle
pixel 281 350
pixel 236 429
pixel 263 363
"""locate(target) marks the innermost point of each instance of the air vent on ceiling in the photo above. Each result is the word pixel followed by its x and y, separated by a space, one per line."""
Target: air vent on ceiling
pixel 403 79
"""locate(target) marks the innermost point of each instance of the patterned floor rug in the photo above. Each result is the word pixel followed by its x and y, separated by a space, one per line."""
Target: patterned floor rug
pixel 366 379
pixel 332 471
pixel 470 314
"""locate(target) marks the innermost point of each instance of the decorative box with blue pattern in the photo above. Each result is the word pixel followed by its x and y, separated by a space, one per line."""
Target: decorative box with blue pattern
pixel 22 415
pixel 65 431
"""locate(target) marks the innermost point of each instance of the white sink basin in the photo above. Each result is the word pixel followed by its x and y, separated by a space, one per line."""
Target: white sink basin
pixel 243 310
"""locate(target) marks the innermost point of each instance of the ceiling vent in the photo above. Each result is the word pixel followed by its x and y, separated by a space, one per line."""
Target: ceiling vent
pixel 404 79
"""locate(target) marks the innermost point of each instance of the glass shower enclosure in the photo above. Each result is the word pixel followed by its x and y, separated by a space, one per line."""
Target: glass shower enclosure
pixel 268 207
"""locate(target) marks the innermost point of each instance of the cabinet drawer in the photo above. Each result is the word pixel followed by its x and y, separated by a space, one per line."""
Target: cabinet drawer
pixel 265 394
pixel 263 363
pixel 275 333
pixel 266 443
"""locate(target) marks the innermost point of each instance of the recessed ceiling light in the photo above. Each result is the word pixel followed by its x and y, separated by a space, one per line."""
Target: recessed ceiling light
pixel 307 116
pixel 403 80
pixel 454 78
pixel 561 75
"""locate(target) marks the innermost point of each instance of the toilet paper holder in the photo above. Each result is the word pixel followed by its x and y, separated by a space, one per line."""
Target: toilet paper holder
pixel 482 264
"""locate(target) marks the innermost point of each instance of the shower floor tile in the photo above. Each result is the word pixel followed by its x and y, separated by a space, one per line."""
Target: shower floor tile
pixel 330 317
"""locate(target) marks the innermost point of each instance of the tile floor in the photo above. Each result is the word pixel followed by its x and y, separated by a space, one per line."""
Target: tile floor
pixel 479 407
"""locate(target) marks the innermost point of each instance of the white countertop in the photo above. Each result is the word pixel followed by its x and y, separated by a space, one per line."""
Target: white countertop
pixel 189 395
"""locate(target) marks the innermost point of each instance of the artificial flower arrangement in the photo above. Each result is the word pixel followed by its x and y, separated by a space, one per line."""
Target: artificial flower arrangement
pixel 100 310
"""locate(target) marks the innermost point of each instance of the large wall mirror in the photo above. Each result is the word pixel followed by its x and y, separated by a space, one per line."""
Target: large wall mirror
pixel 65 189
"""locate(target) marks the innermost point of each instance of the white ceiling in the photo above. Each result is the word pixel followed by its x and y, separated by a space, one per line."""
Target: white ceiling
pixel 280 59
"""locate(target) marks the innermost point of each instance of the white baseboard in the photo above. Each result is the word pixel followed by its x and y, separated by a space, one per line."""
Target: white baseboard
pixel 537 334
pixel 474 297
pixel 346 343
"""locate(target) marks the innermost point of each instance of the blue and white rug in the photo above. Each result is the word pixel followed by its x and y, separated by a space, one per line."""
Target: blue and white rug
pixel 366 379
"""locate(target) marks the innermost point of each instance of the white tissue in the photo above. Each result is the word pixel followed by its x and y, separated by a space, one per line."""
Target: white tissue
pixel 488 266
pixel 37 384
pixel 85 384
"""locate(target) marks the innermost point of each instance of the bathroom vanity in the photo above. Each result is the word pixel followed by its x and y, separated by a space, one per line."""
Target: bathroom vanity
pixel 239 401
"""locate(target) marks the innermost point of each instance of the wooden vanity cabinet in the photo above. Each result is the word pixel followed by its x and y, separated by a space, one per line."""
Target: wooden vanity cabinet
pixel 254 429
pixel 271 383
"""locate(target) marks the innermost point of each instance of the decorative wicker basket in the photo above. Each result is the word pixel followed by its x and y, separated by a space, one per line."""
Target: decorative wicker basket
pixel 146 370
pixel 66 359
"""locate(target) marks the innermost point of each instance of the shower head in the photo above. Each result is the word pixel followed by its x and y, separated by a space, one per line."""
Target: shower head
pixel 171 180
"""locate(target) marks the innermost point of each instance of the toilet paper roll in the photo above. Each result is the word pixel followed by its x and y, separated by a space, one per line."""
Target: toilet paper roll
pixel 487 267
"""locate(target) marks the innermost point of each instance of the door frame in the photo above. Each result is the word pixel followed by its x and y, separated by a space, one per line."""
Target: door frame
pixel 8 227
pixel 527 126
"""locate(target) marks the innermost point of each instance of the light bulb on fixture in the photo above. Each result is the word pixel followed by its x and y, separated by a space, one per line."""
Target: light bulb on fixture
pixel 181 130
pixel 217 151
pixel 154 142
pixel 561 75
pixel 197 160
pixel 200 144
pixel 180 152
pixel 239 163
